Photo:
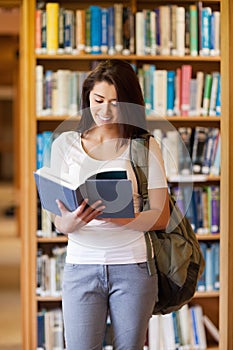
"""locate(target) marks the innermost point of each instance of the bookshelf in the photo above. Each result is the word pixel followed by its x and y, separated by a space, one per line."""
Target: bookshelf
pixel 217 305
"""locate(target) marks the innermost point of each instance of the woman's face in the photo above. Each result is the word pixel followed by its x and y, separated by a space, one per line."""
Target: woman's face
pixel 103 103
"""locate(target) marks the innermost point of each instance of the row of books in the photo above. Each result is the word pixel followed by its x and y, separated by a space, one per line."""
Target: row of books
pixel 188 151
pixel 50 271
pixel 184 329
pixel 210 279
pixel 201 205
pixel 166 92
pixel 180 91
pixel 164 30
pixel 58 92
pixel 50 330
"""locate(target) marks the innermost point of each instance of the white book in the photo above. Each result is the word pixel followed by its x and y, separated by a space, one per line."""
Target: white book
pixel 200 86
pixel 185 324
pixel 168 332
pixel 39 89
pixel 171 143
pixel 62 91
pixel 217 19
pixel 213 93
pixel 160 92
pixel 165 30
pixel 200 327
pixel 139 33
pixel 211 328
pixel 154 332
pixel 153 32
pixel 180 31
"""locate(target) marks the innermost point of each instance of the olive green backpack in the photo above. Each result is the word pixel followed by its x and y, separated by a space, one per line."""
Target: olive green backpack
pixel 177 254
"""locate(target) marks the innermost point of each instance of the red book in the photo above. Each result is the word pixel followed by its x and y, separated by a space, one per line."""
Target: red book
pixel 186 74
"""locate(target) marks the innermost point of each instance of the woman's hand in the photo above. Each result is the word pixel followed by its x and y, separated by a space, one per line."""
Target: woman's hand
pixel 71 221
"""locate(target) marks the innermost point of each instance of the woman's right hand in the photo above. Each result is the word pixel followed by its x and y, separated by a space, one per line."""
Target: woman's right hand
pixel 71 221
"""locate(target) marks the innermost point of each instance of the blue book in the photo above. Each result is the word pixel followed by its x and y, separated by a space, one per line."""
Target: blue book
pixel 96 29
pixel 104 30
pixel 112 187
pixel 205 31
pixel 218 98
pixel 111 30
pixel 170 92
pixel 216 277
pixel 39 151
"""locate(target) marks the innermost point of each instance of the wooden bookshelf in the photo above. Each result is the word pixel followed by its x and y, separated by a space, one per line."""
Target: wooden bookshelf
pixel 219 305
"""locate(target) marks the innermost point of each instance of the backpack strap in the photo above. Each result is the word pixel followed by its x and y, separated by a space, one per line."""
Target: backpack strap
pixel 139 149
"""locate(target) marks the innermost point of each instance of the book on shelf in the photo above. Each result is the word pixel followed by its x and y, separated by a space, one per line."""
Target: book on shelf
pixel 112 187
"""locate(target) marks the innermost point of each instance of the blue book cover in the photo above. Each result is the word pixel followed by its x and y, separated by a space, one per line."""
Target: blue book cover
pixel 218 98
pixel 205 31
pixel 216 247
pixel 111 30
pixel 104 30
pixel 215 209
pixel 112 187
pixel 96 29
pixel 170 92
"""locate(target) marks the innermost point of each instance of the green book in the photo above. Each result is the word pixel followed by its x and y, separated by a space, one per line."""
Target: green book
pixel 206 96
pixel 193 30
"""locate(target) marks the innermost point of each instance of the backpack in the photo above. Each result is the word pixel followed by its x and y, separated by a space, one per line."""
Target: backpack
pixel 177 254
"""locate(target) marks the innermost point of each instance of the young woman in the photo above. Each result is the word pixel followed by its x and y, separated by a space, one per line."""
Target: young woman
pixel 106 271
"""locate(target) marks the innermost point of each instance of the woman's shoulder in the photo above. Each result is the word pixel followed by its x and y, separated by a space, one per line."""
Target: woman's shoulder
pixel 67 136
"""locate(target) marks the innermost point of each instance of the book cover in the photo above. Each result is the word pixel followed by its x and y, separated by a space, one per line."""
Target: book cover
pixel 96 30
pixel 193 30
pixel 88 30
pixel 170 92
pixel 180 30
pixel 186 75
pixel 111 30
pixel 118 27
pixel 112 187
pixel 206 95
pixel 104 30
pixel 52 10
pixel 205 31
pixel 213 93
pixel 199 145
pixel 80 31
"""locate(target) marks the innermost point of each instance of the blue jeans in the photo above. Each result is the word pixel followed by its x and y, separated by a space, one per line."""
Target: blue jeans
pixel 90 292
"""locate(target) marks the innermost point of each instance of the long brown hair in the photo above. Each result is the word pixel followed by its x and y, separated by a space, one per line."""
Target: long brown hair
pixel 132 107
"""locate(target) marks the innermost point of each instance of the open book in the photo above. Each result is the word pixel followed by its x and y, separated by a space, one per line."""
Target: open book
pixel 112 187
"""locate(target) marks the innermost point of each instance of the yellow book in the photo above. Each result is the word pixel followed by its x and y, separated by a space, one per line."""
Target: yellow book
pixel 52 12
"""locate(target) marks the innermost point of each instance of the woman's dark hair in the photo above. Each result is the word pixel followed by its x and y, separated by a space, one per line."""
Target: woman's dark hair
pixel 132 109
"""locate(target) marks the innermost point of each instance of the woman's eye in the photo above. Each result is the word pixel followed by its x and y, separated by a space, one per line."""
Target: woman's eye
pixel 114 103
pixel 98 101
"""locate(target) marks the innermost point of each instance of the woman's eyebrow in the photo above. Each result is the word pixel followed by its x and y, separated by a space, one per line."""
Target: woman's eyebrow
pixel 98 95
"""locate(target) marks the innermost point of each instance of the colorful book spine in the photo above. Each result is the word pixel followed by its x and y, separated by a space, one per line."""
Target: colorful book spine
pixel 52 10
pixel 95 29
pixel 80 31
pixel 193 30
pixel 170 92
pixel 88 30
pixel 111 31
pixel 61 32
pixel 206 29
pixel 206 96
pixel 186 74
pixel 104 30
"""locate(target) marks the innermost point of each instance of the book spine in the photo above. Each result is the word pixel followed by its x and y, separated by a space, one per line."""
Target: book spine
pixel 68 31
pixel 61 31
pixel 126 30
pixel 215 209
pixel 52 10
pixel 170 92
pixel 153 44
pixel 118 27
pixel 206 96
pixel 38 31
pixel 164 30
pixel 193 30
pixel 95 29
pixel 88 30
pixel 200 84
pixel 186 74
pixel 218 98
pixel 80 31
pixel 139 33
pixel 213 93
pixel 147 31
pixel 39 90
pixel 111 30
pixel 104 30
pixel 180 30
pixel 205 46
